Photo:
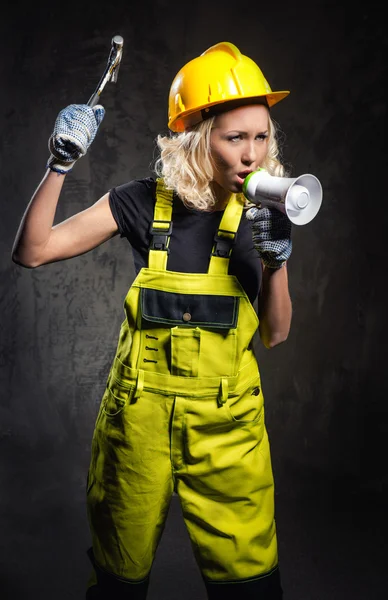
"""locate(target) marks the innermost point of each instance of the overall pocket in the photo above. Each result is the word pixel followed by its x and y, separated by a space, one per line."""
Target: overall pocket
pixel 185 347
pixel 171 309
pixel 247 407
pixel 115 397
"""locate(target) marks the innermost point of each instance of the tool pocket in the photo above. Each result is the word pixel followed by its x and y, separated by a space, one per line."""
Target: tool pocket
pixel 185 348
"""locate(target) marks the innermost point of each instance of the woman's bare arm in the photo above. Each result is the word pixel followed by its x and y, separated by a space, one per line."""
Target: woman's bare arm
pixel 38 242
pixel 274 307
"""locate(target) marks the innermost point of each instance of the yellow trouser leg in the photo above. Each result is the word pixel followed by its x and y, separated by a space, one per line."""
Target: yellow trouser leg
pixel 224 479
pixel 130 481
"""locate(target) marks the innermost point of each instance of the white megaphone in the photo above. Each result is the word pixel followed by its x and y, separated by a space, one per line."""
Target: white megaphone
pixel 299 198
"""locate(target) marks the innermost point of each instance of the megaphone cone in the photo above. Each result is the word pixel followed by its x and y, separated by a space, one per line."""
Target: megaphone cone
pixel 299 198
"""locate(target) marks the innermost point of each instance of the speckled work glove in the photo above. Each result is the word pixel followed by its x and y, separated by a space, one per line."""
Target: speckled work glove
pixel 271 233
pixel 74 130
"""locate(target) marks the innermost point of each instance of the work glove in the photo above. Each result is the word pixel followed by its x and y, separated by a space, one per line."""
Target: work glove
pixel 74 130
pixel 271 233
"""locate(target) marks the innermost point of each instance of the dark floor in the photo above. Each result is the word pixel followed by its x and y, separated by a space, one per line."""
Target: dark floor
pixel 325 554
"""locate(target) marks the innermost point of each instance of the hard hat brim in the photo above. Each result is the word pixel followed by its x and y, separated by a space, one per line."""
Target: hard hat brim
pixel 191 118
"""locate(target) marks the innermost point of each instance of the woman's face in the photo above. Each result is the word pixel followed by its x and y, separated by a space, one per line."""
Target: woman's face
pixel 238 142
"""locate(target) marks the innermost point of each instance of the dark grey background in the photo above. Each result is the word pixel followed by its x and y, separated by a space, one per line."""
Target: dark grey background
pixel 326 389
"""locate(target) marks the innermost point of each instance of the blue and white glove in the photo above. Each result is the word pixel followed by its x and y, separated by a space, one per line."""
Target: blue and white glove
pixel 271 233
pixel 74 130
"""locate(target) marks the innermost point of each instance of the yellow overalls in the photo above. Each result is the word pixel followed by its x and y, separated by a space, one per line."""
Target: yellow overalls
pixel 183 411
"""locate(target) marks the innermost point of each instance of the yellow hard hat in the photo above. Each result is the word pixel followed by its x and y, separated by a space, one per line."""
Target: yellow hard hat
pixel 220 74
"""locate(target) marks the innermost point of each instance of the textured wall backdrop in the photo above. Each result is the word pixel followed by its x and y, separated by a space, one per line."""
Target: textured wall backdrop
pixel 326 388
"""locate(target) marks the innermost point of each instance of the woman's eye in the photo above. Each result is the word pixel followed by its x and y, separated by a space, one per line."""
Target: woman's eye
pixel 234 138
pixel 262 136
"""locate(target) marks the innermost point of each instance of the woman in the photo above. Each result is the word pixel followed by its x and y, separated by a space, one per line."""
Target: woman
pixel 183 406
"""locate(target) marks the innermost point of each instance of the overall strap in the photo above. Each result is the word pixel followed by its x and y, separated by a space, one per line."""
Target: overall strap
pixel 160 228
pixel 226 236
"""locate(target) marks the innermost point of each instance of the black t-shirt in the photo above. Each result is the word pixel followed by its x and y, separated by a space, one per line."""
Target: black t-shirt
pixel 132 205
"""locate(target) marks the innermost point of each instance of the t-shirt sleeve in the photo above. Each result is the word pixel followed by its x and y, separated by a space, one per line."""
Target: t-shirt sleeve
pixel 132 206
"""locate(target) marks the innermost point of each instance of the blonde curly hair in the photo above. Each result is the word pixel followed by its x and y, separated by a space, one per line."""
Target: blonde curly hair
pixel 185 163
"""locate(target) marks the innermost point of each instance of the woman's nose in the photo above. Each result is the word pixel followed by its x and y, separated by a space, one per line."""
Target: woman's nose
pixel 249 154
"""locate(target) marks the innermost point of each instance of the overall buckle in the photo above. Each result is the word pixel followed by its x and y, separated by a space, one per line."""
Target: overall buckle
pixel 160 235
pixel 223 246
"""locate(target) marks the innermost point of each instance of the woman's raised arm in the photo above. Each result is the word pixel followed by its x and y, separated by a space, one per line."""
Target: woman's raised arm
pixel 38 242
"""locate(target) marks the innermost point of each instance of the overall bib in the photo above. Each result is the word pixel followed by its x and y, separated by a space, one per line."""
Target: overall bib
pixel 183 411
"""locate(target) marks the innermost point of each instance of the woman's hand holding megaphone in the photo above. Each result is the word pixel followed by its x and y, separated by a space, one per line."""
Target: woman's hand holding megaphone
pixel 271 233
